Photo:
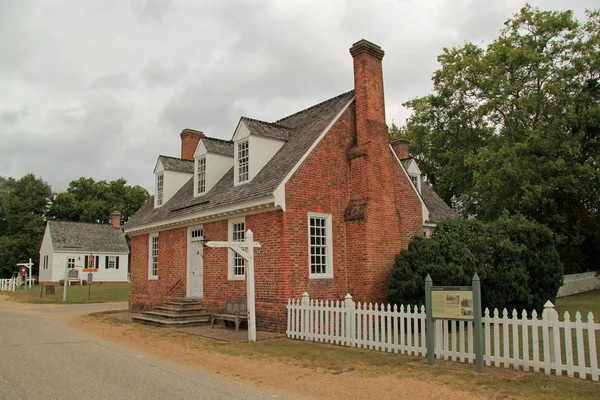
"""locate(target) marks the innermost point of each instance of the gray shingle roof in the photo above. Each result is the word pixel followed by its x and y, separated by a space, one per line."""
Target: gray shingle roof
pixel 438 209
pixel 83 236
pixel 218 146
pixel 177 164
pixel 303 128
pixel 268 129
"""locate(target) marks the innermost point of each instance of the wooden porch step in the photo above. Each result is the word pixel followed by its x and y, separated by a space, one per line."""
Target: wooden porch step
pixel 183 303
pixel 180 310
pixel 156 314
pixel 169 323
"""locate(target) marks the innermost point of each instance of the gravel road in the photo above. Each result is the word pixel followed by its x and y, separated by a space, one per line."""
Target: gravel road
pixel 41 357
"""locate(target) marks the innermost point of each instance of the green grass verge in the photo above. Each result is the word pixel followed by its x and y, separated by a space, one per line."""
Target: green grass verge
pixel 99 293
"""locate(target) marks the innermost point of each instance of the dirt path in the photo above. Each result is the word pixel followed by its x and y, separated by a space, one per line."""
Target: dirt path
pixel 288 378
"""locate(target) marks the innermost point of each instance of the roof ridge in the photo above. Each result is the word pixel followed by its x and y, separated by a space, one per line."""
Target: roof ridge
pixel 217 139
pixel 316 105
pixel 80 222
pixel 274 124
pixel 174 158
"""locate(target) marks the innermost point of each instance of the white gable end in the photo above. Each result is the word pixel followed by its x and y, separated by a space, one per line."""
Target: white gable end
pixel 260 151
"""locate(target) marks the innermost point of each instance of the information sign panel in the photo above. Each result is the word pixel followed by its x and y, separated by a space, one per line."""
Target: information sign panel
pixel 452 302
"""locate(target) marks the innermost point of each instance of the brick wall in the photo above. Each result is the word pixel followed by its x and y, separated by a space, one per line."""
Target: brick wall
pixel 172 266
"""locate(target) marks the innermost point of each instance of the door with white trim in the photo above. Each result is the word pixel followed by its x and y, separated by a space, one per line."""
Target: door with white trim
pixel 195 265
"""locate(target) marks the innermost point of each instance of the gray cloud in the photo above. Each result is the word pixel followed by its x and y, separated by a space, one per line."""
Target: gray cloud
pixel 100 89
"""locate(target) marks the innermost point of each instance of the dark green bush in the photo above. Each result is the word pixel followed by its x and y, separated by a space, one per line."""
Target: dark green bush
pixel 516 260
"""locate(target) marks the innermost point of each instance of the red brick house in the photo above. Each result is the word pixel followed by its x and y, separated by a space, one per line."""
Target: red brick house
pixel 327 195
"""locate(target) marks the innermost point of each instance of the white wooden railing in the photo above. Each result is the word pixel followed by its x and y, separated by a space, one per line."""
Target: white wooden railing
pixel 521 342
pixel 8 285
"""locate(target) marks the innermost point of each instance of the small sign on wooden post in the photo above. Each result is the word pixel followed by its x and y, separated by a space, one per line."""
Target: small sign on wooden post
pixel 461 303
pixel 246 250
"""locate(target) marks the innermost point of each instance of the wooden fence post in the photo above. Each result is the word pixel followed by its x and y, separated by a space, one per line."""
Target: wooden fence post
pixel 349 312
pixel 551 316
pixel 305 303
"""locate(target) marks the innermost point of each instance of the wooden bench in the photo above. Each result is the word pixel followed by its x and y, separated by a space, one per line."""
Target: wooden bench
pixel 235 311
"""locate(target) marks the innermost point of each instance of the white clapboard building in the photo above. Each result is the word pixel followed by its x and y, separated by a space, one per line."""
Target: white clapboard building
pixel 84 247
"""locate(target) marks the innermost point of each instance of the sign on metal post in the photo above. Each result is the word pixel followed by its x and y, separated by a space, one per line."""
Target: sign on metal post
pixel 90 279
pixel 462 303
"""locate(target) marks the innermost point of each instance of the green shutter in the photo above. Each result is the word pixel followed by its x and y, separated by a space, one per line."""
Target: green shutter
pixel 117 262
pixel 106 263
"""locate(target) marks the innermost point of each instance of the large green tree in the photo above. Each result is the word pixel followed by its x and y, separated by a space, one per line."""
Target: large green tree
pixel 23 205
pixel 514 127
pixel 86 200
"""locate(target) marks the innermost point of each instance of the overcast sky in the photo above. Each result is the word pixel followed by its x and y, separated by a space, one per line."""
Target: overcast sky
pixel 101 88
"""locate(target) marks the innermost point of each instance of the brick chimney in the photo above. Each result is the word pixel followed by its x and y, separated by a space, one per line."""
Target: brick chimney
pixel 401 147
pixel 189 141
pixel 368 88
pixel 115 219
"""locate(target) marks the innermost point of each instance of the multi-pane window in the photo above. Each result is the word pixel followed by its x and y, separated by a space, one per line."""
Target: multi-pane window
pixel 201 175
pixel 243 160
pixel 415 180
pixel 70 263
pixel 319 244
pixel 239 264
pixel 153 259
pixel 197 233
pixel 160 180
pixel 111 262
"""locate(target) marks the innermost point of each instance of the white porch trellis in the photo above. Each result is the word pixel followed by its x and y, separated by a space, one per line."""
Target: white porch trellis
pixel 522 342
pixel 248 254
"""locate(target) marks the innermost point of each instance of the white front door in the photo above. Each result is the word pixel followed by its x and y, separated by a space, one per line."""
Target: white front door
pixel 195 270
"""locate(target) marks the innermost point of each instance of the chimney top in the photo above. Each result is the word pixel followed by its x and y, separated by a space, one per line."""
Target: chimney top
pixel 400 146
pixel 115 219
pixel 191 133
pixel 365 46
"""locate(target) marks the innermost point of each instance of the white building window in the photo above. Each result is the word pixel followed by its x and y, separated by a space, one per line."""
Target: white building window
pixel 45 262
pixel 243 158
pixel 111 262
pixel 153 257
pixel 320 249
pixel 200 175
pixel 237 264
pixel 160 182
pixel 415 180
pixel 70 263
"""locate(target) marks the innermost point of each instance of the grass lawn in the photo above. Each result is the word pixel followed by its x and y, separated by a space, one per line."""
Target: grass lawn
pixel 100 293
pixel 583 303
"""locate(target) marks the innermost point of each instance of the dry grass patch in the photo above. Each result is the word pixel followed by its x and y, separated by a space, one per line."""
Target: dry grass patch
pixel 316 370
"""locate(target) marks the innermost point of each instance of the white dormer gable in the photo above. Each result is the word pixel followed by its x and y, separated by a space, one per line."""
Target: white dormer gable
pixel 251 152
pixel 209 168
pixel 168 179
pixel 414 174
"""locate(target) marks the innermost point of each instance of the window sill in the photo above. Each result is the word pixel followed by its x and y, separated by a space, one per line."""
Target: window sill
pixel 153 278
pixel 236 278
pixel 320 277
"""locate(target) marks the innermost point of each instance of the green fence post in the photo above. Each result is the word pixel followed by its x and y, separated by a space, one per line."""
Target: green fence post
pixel 430 327
pixel 477 322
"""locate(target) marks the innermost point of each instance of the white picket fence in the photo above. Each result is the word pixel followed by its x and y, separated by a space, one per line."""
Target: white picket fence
pixel 8 285
pixel 526 343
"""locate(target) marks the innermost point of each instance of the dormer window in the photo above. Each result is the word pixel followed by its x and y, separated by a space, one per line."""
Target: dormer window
pixel 159 189
pixel 416 181
pixel 242 161
pixel 201 175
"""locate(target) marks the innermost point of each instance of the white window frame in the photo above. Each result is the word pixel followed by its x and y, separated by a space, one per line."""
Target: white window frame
pixel 417 184
pixel 112 260
pixel 200 184
pixel 328 246
pixel 70 262
pixel 46 262
pixel 160 189
pixel 242 162
pixel 232 254
pixel 151 260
